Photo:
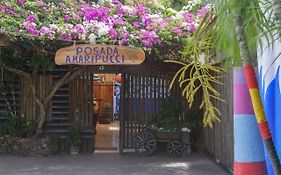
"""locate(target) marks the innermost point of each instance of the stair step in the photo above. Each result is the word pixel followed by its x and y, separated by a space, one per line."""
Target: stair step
pixel 60 119
pixel 60 69
pixel 2 120
pixel 64 112
pixel 57 130
pixel 60 112
pixel 63 136
pixel 57 124
pixel 61 95
pixel 12 105
pixel 63 89
pixel 65 133
pixel 61 107
pixel 3 100
pixel 60 101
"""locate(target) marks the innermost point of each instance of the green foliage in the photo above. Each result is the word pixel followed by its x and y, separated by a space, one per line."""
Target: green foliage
pixel 198 72
pixel 200 77
pixel 258 24
pixel 25 61
pixel 16 126
pixel 194 120
pixel 168 118
pixel 75 136
pixel 179 4
pixel 42 61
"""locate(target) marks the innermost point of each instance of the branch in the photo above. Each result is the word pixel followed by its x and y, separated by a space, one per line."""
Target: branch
pixel 70 75
pixel 4 41
pixel 7 43
pixel 211 25
pixel 75 74
pixel 25 75
pixel 15 70
pixel 34 72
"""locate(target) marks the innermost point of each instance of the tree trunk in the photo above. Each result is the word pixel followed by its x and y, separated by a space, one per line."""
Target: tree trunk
pixel 42 118
pixel 254 93
pixel 44 102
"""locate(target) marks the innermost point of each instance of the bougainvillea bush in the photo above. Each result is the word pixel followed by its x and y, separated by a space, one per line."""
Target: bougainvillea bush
pixel 136 23
pixel 37 28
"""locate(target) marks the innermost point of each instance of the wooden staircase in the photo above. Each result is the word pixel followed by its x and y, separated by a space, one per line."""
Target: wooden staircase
pixel 13 99
pixel 60 125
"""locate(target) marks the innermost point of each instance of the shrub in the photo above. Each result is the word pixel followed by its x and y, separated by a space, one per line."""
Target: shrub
pixel 168 118
pixel 75 136
pixel 17 126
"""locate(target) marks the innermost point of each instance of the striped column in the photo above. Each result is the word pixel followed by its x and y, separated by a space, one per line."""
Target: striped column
pixel 248 145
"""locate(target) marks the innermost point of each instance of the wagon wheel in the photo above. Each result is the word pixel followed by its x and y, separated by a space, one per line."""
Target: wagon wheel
pixel 145 143
pixel 175 148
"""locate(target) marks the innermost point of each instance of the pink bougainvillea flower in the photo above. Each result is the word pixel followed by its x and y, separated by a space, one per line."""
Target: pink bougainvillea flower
pixel 10 12
pixel 30 18
pixel 62 5
pixel 147 43
pixel 177 30
pixel 191 27
pixel 76 17
pixel 45 8
pixel 202 11
pixel 125 35
pixel 123 42
pixel 67 18
pixel 188 17
pixel 137 23
pixel 21 2
pixel 112 33
pixel 31 28
pixel 66 37
pixel 40 2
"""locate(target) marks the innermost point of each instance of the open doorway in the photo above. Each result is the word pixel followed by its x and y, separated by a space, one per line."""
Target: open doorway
pixel 106 92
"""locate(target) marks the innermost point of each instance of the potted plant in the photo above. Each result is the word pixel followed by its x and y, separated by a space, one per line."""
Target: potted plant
pixel 168 122
pixel 168 117
pixel 75 140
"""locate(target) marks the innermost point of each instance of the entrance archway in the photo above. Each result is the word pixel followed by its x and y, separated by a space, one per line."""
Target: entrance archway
pixel 144 88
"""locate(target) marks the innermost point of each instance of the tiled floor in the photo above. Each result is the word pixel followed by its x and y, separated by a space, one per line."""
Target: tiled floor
pixel 107 136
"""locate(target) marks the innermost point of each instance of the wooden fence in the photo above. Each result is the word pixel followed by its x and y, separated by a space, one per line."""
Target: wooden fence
pixel 143 95
pixel 140 88
pixel 218 141
pixel 81 99
pixel 28 106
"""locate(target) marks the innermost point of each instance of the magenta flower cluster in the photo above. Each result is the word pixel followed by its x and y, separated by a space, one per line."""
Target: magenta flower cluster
pixel 115 23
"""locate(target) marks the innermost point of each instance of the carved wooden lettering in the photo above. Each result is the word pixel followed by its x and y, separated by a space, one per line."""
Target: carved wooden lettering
pixel 93 54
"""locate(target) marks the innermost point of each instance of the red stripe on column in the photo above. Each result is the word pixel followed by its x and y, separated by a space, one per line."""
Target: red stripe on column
pixel 264 130
pixel 253 168
pixel 250 76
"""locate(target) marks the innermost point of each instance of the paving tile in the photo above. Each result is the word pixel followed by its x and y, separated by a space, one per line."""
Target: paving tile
pixel 109 164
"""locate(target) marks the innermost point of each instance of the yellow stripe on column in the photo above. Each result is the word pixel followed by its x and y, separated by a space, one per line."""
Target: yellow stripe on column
pixel 257 104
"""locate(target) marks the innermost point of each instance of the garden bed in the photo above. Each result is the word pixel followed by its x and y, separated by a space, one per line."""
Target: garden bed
pixel 33 147
pixel 168 135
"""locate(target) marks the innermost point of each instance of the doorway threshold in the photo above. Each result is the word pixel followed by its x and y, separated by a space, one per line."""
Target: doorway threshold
pixel 106 151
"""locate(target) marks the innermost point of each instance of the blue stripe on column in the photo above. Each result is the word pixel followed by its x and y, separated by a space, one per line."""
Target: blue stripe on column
pixel 248 145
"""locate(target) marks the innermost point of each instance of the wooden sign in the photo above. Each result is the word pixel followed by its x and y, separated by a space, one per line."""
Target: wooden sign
pixel 93 54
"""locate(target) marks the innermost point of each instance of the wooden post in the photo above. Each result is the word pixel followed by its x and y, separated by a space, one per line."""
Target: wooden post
pixel 122 117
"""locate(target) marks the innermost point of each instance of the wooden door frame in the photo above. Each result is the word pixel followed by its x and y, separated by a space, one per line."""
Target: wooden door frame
pixel 152 66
